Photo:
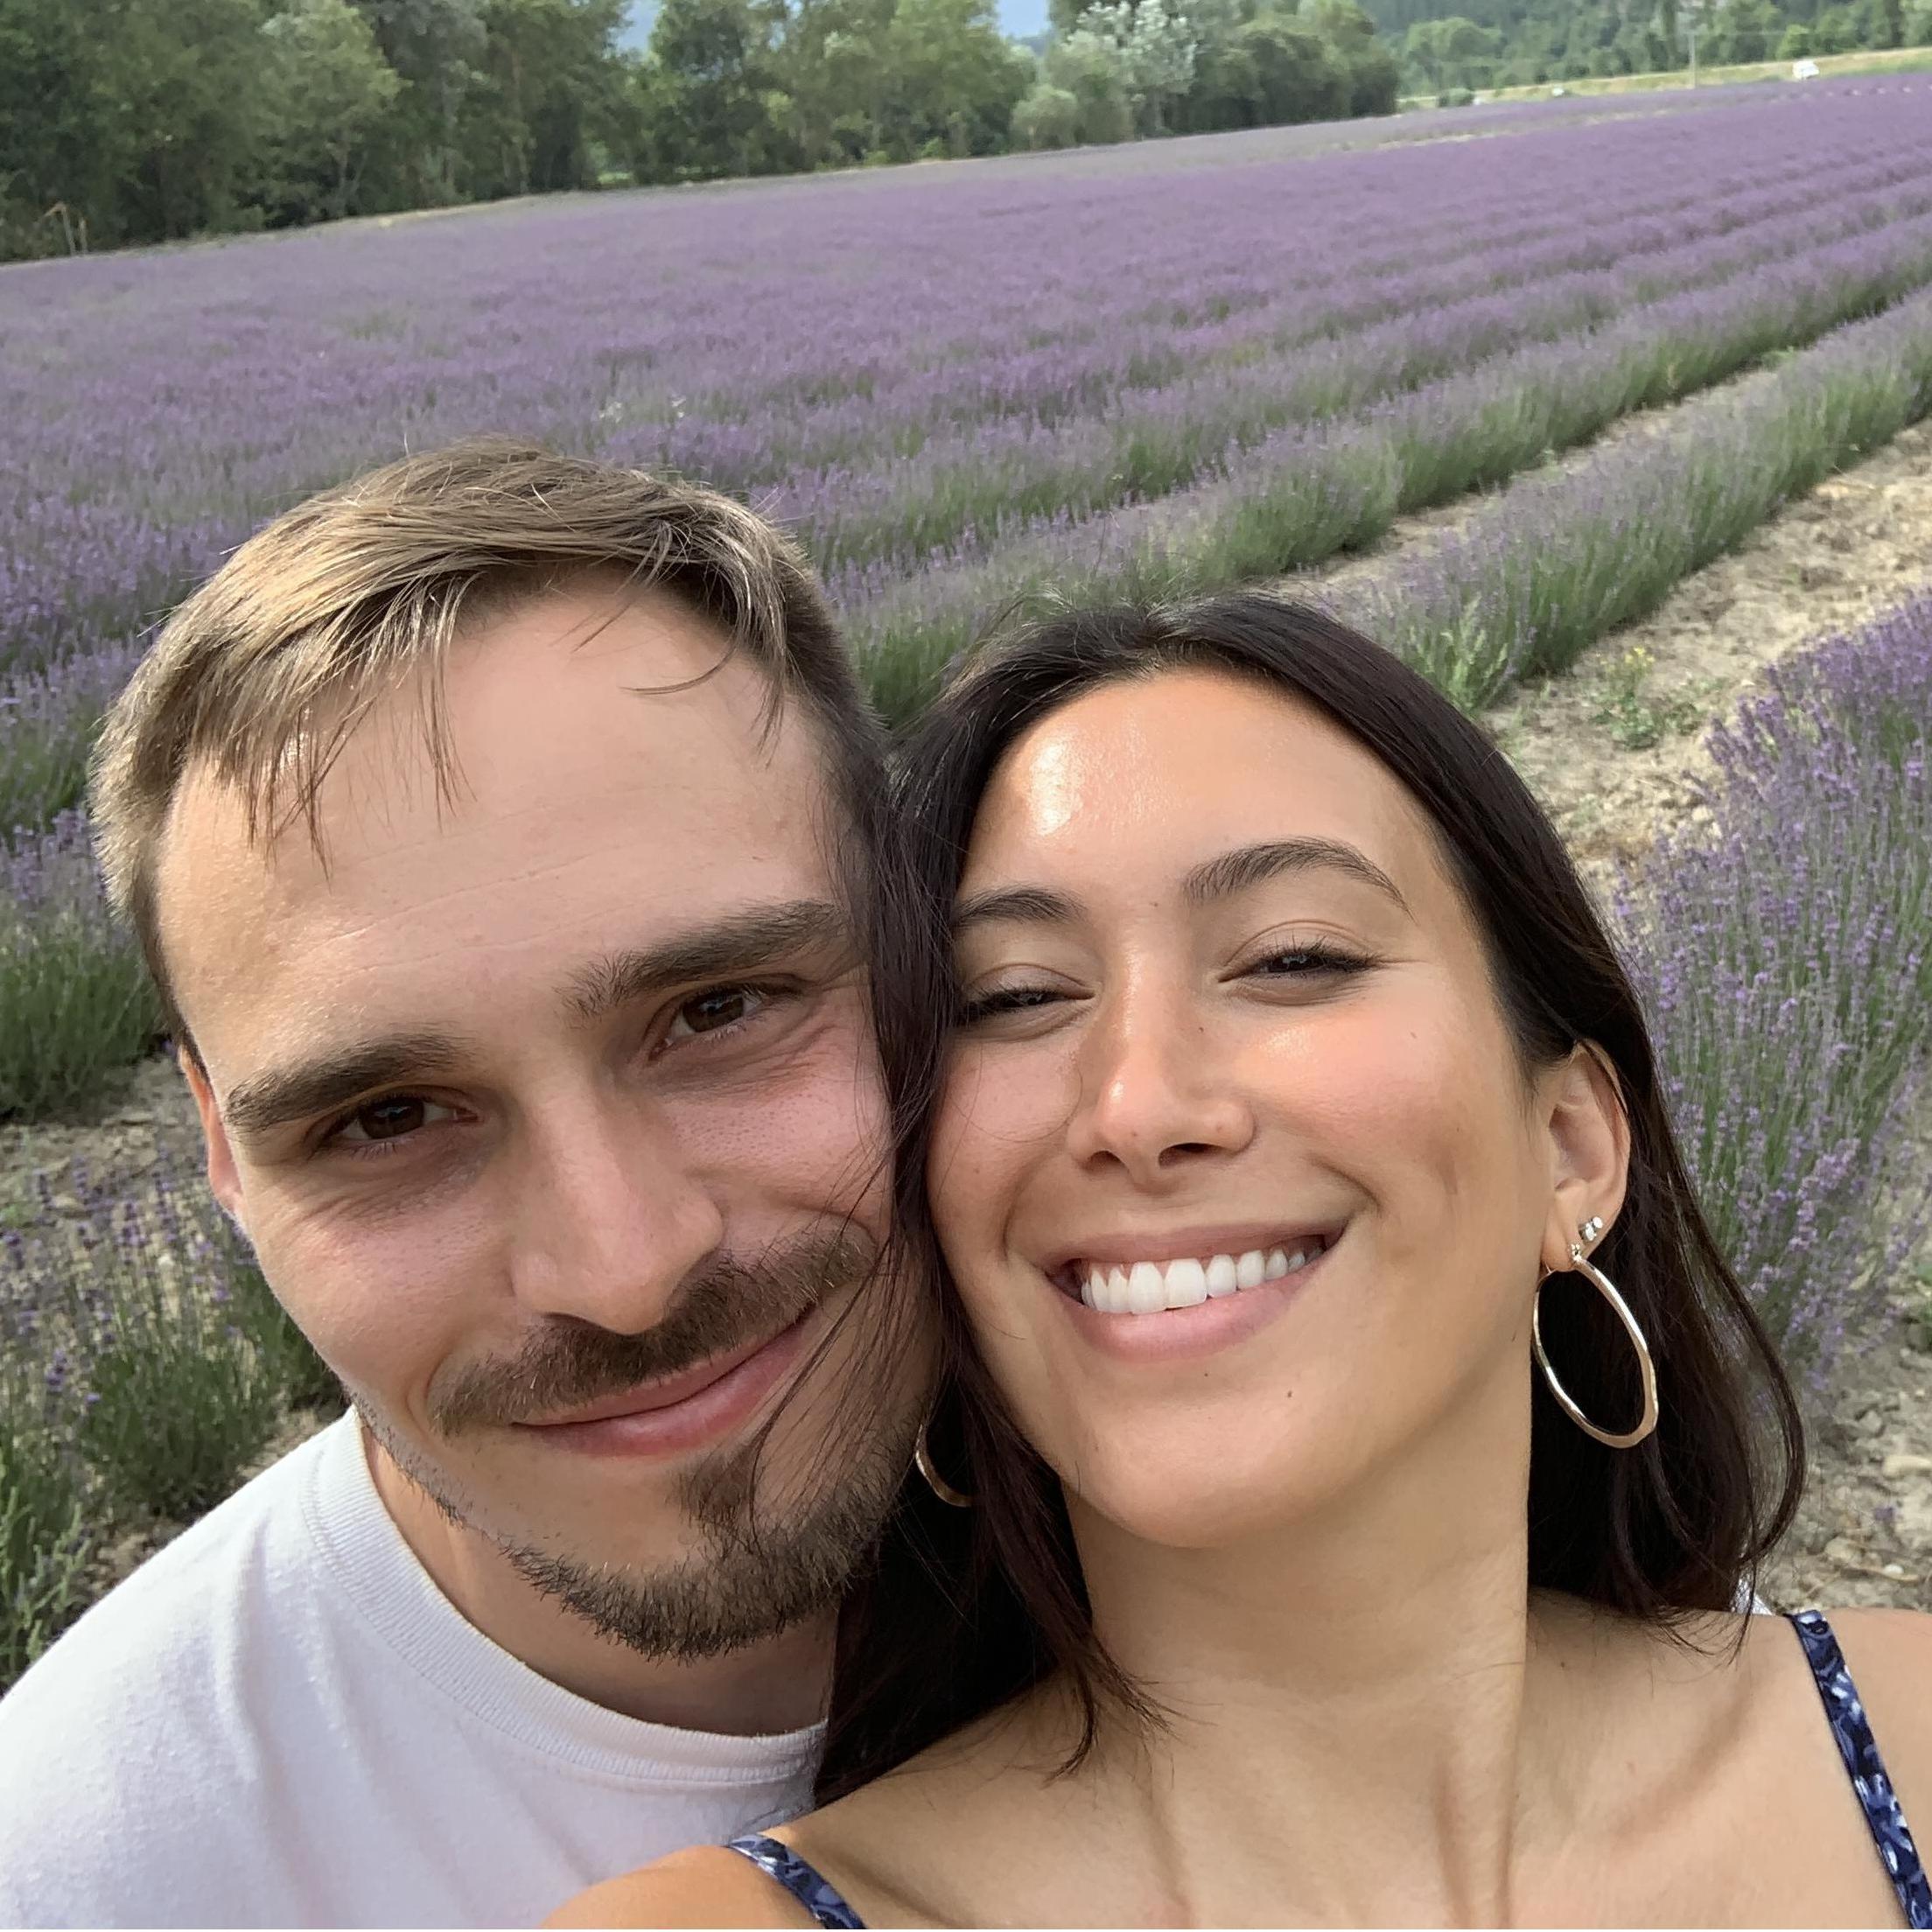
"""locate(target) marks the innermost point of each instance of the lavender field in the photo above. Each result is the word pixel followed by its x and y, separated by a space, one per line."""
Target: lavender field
pixel 1626 333
pixel 952 380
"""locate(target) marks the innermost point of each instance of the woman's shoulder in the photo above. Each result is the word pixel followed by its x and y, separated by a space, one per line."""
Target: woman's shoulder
pixel 1888 1656
pixel 706 1886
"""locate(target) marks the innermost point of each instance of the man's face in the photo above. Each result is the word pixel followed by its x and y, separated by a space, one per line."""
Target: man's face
pixel 551 1106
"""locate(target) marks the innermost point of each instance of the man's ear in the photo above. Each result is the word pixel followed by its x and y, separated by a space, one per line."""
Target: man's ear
pixel 223 1181
pixel 1589 1149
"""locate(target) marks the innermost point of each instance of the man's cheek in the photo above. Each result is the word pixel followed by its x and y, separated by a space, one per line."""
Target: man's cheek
pixel 381 1313
pixel 818 1141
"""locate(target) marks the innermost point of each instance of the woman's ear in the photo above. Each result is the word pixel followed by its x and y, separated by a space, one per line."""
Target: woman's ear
pixel 1589 1135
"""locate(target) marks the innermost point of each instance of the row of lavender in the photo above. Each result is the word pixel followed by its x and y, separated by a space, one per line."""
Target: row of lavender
pixel 1785 952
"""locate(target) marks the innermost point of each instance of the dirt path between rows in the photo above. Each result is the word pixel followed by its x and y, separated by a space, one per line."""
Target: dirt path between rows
pixel 1830 561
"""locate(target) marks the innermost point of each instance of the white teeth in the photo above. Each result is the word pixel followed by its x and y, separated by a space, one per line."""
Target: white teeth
pixel 1150 1287
pixel 1146 1289
pixel 1186 1284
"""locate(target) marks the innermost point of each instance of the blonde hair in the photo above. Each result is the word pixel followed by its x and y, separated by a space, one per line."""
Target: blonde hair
pixel 264 673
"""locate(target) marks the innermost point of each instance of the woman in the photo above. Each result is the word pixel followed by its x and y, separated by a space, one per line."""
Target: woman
pixel 1363 1439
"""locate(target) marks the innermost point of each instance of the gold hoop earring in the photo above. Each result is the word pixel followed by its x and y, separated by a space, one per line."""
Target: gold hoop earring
pixel 922 1461
pixel 1646 1368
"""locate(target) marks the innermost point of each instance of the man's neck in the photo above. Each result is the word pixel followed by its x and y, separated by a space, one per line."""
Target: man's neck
pixel 777 1685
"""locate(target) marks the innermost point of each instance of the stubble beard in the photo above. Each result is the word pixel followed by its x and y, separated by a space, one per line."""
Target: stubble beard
pixel 762 1562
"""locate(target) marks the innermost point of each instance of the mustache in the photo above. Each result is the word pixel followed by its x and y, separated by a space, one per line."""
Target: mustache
pixel 729 1305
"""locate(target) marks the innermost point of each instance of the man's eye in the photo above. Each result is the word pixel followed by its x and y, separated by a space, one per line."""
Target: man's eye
pixel 390 1119
pixel 709 1012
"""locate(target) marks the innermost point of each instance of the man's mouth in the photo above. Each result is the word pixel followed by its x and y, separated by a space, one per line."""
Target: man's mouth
pixel 1147 1283
pixel 679 1412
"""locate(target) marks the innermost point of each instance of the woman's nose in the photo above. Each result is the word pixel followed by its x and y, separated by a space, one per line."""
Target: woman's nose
pixel 1155 1097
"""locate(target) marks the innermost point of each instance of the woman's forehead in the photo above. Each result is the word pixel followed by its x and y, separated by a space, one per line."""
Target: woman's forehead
pixel 1153 775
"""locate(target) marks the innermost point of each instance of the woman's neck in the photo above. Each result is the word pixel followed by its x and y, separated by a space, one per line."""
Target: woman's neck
pixel 1374 1674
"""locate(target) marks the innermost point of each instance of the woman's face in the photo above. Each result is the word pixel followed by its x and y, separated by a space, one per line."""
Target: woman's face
pixel 1236 1167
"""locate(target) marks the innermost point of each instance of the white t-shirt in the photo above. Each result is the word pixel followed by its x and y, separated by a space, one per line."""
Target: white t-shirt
pixel 280 1720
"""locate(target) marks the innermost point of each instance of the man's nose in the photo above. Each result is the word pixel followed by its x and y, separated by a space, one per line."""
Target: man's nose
pixel 1156 1098
pixel 612 1221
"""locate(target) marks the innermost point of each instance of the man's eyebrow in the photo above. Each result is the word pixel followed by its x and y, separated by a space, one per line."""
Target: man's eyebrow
pixel 1252 865
pixel 1026 905
pixel 303 1088
pixel 742 943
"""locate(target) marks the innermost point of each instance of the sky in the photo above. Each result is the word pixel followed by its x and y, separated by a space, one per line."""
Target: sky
pixel 1018 18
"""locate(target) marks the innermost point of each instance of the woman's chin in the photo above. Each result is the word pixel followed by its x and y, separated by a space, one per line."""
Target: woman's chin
pixel 1181 1497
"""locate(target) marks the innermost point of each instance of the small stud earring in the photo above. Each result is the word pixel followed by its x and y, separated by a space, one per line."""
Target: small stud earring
pixel 1591 1227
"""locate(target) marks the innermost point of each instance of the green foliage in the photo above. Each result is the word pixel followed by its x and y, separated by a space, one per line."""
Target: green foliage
pixel 706 95
pixel 1374 75
pixel 1746 30
pixel 1919 1307
pixel 1452 52
pixel 1089 69
pixel 45 1545
pixel 329 88
pixel 1047 118
pixel 1633 715
pixel 76 1004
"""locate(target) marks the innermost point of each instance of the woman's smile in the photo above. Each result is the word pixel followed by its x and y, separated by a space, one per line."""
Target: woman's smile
pixel 1212 1295
pixel 1162 1275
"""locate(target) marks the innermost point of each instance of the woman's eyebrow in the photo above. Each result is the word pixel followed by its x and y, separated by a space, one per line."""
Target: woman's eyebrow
pixel 1028 905
pixel 1251 865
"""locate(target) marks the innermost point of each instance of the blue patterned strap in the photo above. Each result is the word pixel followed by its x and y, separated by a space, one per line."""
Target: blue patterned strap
pixel 779 1862
pixel 1859 1749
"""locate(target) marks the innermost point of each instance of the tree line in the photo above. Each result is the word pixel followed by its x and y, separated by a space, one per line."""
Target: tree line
pixel 1516 43
pixel 135 120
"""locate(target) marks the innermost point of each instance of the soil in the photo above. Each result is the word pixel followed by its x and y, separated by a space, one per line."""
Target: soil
pixel 1829 561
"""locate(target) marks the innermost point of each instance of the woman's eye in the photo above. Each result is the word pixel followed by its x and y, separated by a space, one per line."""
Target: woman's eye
pixel 1008 999
pixel 390 1119
pixel 712 1012
pixel 1304 962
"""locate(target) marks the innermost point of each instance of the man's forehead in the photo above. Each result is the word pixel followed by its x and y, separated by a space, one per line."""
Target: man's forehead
pixel 589 803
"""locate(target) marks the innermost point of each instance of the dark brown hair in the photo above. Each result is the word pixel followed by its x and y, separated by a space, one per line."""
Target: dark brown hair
pixel 964 1615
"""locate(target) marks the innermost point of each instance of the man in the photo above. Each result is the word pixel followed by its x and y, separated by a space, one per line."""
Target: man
pixel 496 828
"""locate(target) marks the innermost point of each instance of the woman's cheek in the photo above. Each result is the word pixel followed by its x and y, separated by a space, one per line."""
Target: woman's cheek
pixel 1000 1112
pixel 1399 1073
